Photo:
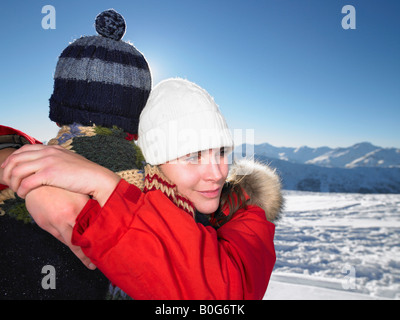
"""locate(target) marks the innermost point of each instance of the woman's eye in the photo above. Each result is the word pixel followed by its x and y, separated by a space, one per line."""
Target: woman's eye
pixel 192 158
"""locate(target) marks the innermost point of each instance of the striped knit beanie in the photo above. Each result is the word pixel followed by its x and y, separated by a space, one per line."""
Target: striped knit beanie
pixel 100 79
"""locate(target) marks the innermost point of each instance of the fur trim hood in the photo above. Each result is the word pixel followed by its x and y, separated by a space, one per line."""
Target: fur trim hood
pixel 261 183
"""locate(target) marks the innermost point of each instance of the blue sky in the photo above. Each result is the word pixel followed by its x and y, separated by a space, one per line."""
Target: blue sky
pixel 285 69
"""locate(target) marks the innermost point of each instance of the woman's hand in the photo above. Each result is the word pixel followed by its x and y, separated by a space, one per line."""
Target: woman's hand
pixel 36 165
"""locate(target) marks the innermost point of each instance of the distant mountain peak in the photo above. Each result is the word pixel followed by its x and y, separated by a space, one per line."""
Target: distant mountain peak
pixel 363 154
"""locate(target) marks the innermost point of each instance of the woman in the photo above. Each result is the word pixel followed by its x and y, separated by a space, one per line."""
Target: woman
pixel 188 234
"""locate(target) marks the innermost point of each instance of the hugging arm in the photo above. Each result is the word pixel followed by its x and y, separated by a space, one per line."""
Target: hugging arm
pixel 33 166
pixel 53 209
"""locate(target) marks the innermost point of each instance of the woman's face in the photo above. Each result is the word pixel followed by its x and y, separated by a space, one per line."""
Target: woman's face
pixel 200 177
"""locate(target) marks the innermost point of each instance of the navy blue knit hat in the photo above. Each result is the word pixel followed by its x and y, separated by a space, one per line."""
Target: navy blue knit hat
pixel 100 79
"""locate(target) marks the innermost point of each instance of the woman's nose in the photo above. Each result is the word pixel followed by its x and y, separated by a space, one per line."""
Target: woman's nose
pixel 212 169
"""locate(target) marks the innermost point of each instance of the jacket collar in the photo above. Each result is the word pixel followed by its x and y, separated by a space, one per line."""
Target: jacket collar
pixel 261 184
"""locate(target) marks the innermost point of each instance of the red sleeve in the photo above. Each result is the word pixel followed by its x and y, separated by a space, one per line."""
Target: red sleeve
pixel 153 250
pixel 10 131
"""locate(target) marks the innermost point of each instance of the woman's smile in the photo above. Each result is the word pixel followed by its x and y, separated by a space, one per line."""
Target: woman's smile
pixel 211 193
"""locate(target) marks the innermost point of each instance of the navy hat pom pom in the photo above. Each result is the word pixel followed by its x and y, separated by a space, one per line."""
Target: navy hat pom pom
pixel 110 24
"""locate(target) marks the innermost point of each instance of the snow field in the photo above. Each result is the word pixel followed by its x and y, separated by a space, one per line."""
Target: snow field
pixel 337 246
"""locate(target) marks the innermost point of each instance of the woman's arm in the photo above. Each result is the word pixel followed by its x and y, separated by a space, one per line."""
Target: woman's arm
pixel 33 166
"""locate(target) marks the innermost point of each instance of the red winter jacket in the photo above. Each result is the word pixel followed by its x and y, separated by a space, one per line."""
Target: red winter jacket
pixel 7 131
pixel 152 249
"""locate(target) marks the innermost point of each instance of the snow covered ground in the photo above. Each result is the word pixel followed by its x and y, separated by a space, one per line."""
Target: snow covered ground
pixel 337 246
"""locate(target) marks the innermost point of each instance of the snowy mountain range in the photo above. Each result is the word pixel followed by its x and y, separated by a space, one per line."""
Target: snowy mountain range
pixel 359 155
pixel 361 168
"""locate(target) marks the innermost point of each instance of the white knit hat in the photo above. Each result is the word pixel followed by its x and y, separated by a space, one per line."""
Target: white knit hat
pixel 180 118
